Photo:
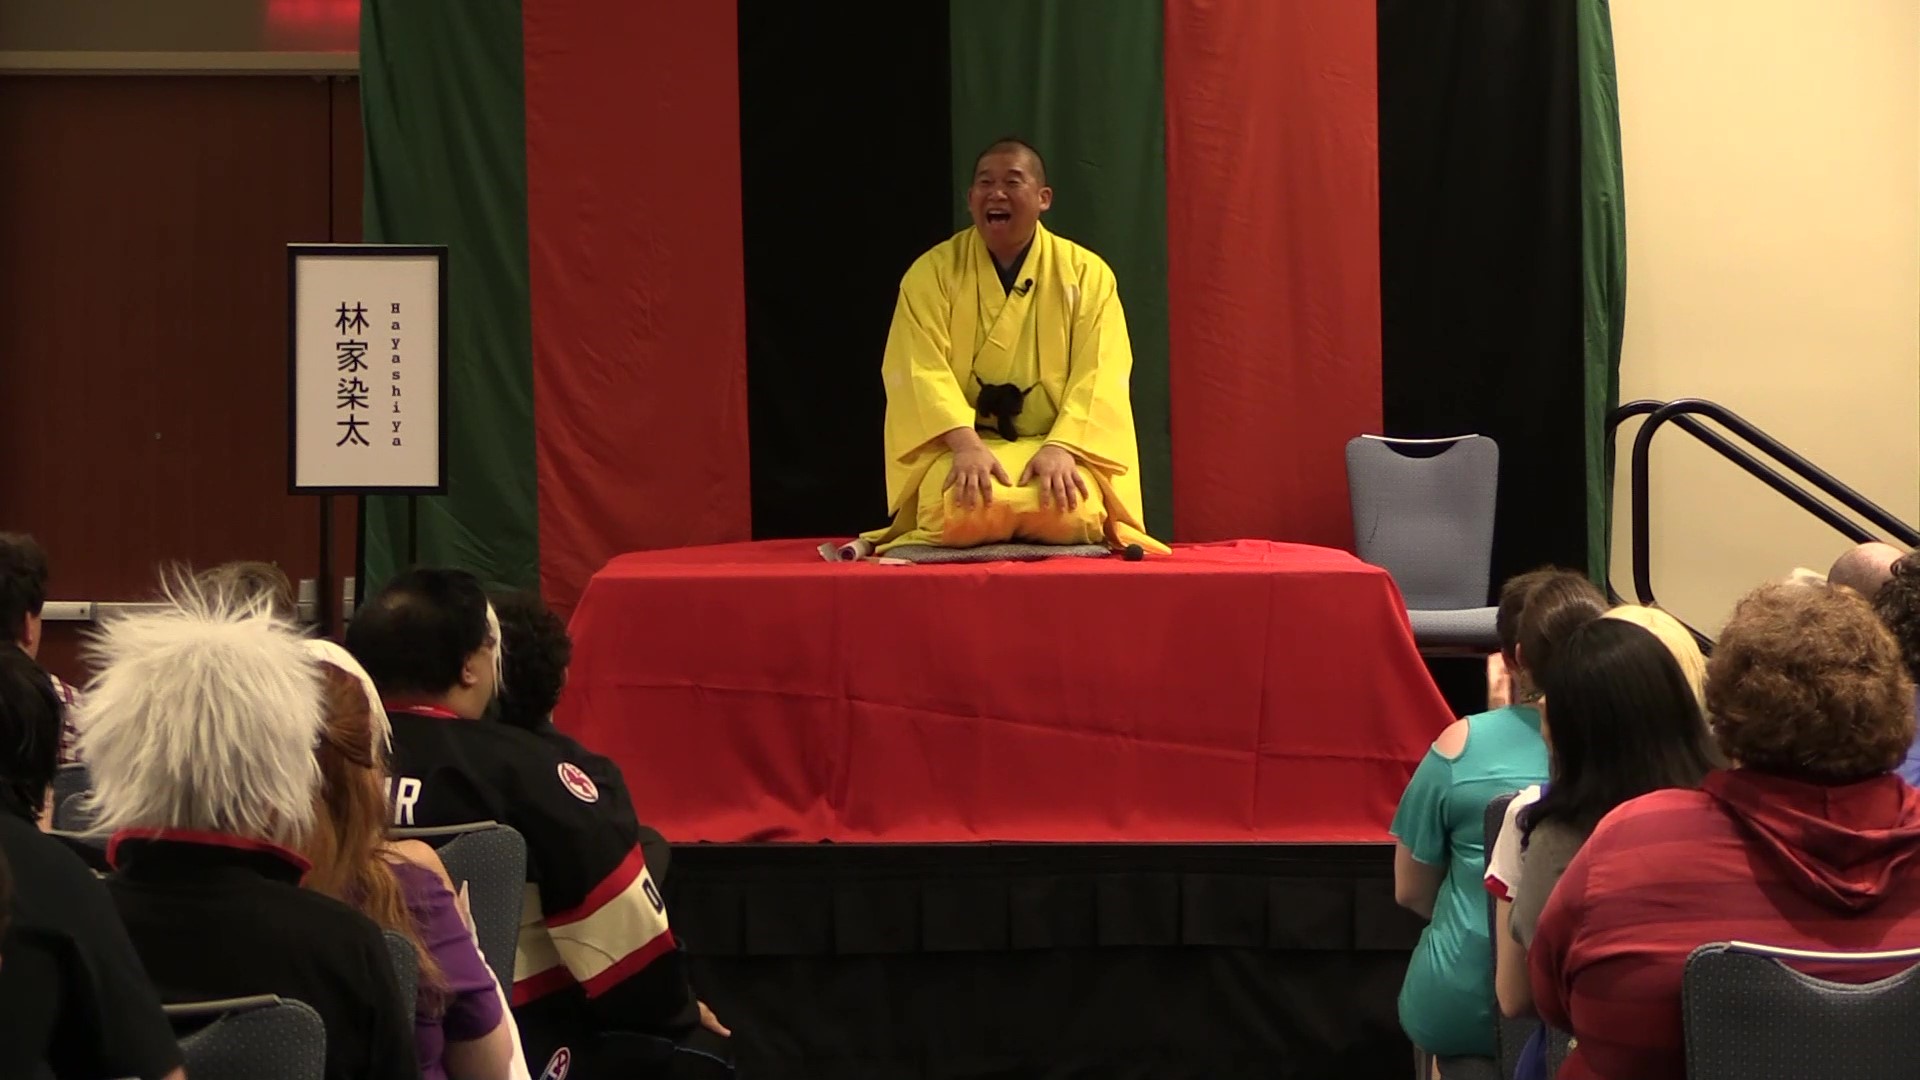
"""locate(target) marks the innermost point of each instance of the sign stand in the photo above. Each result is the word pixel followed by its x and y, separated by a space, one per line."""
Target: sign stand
pixel 366 383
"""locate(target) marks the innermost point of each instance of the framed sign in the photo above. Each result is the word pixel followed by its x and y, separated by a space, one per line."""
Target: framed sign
pixel 366 369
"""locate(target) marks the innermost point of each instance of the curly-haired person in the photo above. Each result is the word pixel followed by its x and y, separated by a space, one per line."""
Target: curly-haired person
pixel 1810 841
pixel 1897 602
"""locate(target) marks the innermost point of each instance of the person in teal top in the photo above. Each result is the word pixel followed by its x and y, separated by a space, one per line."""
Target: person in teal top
pixel 1446 1003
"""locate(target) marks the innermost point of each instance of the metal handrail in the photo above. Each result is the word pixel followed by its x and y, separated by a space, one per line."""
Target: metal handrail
pixel 1681 413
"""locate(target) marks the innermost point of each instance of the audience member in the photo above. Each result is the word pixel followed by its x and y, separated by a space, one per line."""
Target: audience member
pixel 457 1027
pixel 1810 842
pixel 250 580
pixel 1865 568
pixel 74 1000
pixel 535 653
pixel 1504 860
pixel 1621 721
pixel 199 731
pixel 1898 604
pixel 23 596
pixel 609 996
pixel 1447 1001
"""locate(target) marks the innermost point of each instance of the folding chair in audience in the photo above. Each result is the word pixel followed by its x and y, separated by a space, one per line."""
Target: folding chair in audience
pixel 70 780
pixel 70 815
pixel 251 1038
pixel 1747 1015
pixel 406 968
pixel 1509 1036
pixel 492 859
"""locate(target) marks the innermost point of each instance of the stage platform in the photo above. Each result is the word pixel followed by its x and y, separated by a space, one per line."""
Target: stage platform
pixel 1236 692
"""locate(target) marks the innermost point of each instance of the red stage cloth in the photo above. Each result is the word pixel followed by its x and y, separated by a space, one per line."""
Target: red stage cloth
pixel 1231 692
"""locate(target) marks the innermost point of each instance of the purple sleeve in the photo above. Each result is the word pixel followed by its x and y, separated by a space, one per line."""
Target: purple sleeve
pixel 473 1008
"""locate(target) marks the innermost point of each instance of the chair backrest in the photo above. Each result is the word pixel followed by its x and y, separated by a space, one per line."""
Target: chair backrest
pixel 1748 1015
pixel 72 815
pixel 1423 511
pixel 70 780
pixel 254 1038
pixel 492 859
pixel 406 969
pixel 1509 1036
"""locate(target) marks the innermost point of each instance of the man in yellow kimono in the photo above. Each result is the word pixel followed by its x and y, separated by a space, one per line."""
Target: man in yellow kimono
pixel 1008 356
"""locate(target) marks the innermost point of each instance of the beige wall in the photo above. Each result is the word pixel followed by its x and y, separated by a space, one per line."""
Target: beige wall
pixel 1772 152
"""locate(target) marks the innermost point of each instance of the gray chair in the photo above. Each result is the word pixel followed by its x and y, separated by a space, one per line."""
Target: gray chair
pixel 251 1038
pixel 406 969
pixel 1510 1036
pixel 72 815
pixel 70 780
pixel 492 859
pixel 1423 511
pixel 1749 1016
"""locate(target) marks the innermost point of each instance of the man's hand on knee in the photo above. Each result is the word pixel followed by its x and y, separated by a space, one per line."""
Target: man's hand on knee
pixel 1061 486
pixel 973 473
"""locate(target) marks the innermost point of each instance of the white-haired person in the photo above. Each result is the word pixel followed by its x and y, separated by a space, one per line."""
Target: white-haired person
pixel 199 730
pixel 460 1030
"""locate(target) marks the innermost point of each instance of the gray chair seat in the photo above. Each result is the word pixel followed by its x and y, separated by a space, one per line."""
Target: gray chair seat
pixel 1464 628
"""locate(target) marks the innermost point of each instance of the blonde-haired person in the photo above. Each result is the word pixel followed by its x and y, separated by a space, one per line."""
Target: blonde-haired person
pixel 199 730
pixel 459 1027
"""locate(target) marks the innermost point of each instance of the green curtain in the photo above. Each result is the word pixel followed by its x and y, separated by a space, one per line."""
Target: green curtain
pixel 1085 89
pixel 441 90
pixel 1603 263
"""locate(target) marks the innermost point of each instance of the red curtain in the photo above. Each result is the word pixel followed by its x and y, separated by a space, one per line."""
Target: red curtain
pixel 634 250
pixel 1273 262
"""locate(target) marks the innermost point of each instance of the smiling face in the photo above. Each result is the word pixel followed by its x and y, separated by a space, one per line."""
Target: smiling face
pixel 1009 193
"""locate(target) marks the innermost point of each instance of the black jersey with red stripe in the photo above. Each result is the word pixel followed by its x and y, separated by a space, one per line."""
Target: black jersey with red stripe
pixel 596 955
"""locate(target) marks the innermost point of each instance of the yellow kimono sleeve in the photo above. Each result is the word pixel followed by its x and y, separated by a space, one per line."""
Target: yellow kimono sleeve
pixel 1096 411
pixel 925 399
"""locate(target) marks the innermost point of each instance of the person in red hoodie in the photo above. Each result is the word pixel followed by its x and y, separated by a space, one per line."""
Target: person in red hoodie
pixel 1810 841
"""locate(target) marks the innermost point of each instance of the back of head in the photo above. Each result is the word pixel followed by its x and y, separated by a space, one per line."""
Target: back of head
pixel 537 652
pixel 1898 606
pixel 1864 568
pixel 30 716
pixel 23 583
pixel 256 580
pixel 1676 637
pixel 415 634
pixel 1806 682
pixel 1623 721
pixel 1537 611
pixel 204 716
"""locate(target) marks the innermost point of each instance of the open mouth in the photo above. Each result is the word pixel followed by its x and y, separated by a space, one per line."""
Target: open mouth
pixel 999 217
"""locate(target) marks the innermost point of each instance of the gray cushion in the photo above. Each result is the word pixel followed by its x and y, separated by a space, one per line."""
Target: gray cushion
pixel 921 553
pixel 1461 627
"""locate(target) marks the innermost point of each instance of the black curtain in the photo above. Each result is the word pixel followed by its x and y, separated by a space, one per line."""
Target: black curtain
pixel 1480 253
pixel 845 180
pixel 1049 961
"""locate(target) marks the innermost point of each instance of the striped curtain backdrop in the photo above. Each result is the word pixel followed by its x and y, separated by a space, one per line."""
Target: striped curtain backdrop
pixel 676 231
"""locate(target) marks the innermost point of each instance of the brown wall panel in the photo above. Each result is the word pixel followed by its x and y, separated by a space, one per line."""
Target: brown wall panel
pixel 143 224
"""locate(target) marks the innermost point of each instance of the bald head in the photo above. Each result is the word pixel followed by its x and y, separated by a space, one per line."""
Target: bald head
pixel 1035 167
pixel 1865 568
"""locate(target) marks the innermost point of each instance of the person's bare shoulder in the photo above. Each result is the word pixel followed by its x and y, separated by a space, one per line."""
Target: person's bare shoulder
pixel 420 854
pixel 1451 741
